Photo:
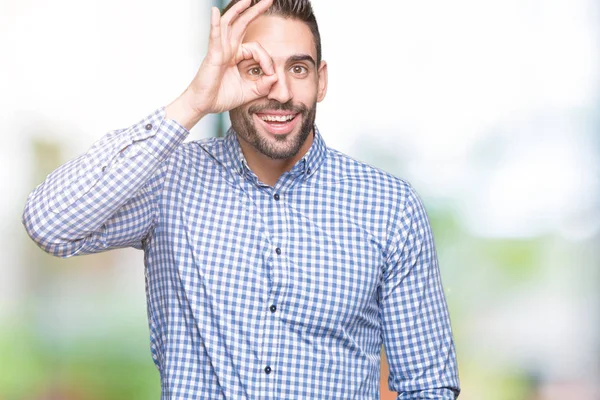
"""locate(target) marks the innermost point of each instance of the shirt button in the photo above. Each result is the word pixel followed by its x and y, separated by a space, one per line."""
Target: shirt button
pixel 308 171
pixel 276 197
pixel 267 370
pixel 278 251
pixel 149 127
pixel 273 308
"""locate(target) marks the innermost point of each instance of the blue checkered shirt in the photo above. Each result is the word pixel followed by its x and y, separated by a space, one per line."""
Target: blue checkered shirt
pixel 259 292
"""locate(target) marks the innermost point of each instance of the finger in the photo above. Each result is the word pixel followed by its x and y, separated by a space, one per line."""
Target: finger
pixel 214 42
pixel 240 24
pixel 229 17
pixel 262 87
pixel 253 50
pixel 234 12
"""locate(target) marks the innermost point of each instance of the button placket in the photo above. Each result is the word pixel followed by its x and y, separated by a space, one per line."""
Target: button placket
pixel 276 214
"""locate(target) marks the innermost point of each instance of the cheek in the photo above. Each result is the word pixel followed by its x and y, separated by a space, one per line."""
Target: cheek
pixel 305 91
pixel 240 120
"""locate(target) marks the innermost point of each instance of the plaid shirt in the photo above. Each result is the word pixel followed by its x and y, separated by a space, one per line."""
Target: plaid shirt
pixel 260 292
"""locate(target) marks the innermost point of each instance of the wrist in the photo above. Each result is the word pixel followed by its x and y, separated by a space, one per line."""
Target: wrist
pixel 183 111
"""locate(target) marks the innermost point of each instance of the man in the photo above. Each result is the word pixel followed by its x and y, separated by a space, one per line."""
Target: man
pixel 275 266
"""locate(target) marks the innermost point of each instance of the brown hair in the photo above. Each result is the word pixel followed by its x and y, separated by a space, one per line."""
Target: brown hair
pixel 296 9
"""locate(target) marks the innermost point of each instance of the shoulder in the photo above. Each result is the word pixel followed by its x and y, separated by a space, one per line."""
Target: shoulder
pixel 375 193
pixel 347 171
pixel 197 154
pixel 201 148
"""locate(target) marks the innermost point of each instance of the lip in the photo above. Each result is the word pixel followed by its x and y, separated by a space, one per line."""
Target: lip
pixel 280 128
pixel 275 112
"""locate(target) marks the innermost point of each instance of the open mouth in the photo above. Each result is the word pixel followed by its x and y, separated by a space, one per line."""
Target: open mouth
pixel 278 123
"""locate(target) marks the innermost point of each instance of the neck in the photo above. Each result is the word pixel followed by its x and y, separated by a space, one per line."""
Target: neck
pixel 269 170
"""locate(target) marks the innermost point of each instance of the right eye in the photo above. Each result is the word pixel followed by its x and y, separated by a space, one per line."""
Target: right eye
pixel 255 71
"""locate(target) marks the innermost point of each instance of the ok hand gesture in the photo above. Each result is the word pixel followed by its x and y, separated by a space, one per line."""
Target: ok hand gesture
pixel 218 85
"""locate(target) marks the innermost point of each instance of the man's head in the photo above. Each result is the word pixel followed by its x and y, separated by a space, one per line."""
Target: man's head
pixel 278 125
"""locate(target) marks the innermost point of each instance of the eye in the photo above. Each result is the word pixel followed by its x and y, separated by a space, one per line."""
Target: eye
pixel 255 71
pixel 299 69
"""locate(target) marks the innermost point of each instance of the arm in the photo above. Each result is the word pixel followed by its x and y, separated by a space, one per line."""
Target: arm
pixel 107 197
pixel 416 326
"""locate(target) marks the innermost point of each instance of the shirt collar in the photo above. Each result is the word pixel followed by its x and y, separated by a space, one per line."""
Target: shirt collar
pixel 308 165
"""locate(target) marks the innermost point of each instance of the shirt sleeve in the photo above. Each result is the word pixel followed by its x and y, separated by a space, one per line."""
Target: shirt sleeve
pixel 416 326
pixel 105 198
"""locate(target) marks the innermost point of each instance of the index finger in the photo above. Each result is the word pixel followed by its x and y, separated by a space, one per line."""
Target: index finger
pixel 241 23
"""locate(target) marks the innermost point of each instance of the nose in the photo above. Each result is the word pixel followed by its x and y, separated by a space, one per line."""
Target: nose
pixel 280 90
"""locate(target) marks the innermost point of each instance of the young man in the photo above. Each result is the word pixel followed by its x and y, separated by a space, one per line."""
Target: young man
pixel 276 266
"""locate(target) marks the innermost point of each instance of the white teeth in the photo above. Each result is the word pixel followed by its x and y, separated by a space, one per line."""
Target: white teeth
pixel 277 118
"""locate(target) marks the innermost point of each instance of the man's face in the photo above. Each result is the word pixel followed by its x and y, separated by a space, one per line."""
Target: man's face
pixel 278 125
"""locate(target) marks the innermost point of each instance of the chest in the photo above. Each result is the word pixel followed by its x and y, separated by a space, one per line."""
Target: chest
pixel 302 248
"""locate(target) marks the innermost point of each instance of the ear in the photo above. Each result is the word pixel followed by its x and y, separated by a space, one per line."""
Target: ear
pixel 322 88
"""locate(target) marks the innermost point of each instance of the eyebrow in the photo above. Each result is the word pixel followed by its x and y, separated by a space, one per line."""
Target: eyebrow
pixel 301 57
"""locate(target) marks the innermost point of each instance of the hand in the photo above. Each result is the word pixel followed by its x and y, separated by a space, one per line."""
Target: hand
pixel 218 85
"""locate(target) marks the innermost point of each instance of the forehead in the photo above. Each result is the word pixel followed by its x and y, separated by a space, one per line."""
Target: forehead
pixel 281 37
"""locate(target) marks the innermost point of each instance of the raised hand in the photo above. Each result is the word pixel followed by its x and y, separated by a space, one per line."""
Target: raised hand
pixel 218 85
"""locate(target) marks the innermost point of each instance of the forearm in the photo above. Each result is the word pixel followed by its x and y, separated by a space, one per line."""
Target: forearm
pixel 78 198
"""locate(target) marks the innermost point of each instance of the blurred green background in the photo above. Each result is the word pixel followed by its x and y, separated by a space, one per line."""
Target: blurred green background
pixel 490 109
